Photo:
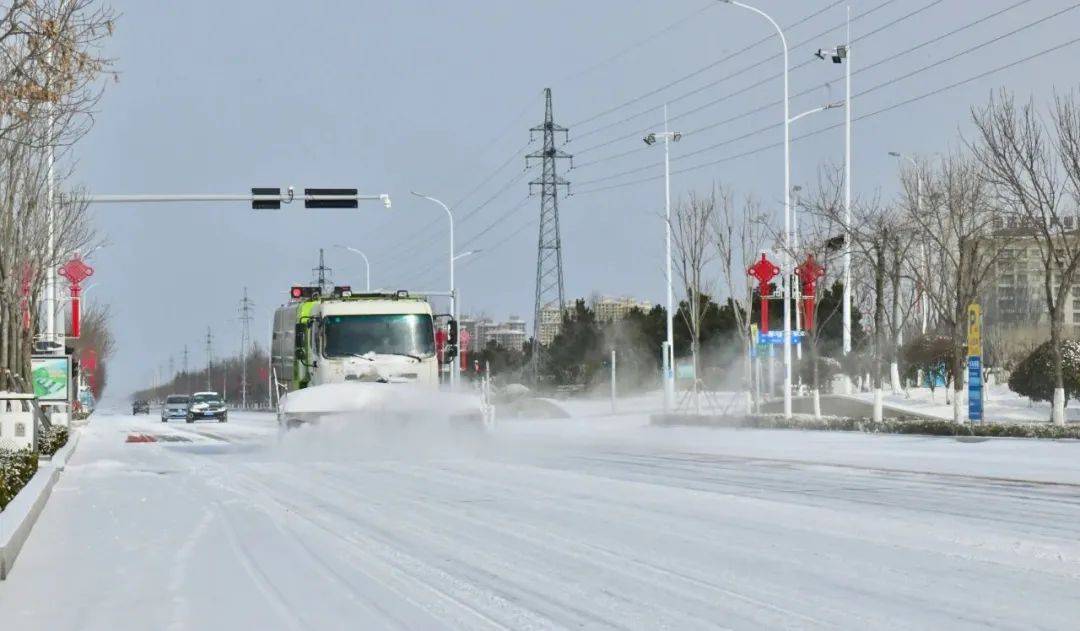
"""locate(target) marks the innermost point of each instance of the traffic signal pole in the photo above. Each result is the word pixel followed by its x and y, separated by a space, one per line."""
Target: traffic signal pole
pixel 311 199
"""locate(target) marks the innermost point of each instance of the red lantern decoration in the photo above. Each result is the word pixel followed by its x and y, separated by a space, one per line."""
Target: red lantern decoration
pixel 764 271
pixel 75 271
pixel 809 272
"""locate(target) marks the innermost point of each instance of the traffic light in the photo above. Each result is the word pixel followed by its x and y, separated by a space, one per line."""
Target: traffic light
pixel 312 198
pixel 266 198
pixel 452 339
pixel 303 292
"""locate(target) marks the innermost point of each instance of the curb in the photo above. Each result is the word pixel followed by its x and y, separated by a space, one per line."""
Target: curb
pixel 25 508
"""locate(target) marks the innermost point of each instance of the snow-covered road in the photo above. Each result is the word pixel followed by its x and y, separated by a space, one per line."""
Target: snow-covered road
pixel 597 523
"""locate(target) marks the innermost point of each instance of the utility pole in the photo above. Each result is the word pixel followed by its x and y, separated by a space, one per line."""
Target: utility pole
pixel 187 381
pixel 209 357
pixel 550 297
pixel 321 273
pixel 245 333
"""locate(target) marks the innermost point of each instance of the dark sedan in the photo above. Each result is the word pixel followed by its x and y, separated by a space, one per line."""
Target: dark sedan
pixel 207 406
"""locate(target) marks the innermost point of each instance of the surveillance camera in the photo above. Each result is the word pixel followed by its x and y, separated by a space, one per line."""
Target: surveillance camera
pixel 820 54
pixel 677 136
pixel 650 139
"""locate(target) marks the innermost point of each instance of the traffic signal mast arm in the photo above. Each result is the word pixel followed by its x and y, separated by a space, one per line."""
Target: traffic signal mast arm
pixel 260 198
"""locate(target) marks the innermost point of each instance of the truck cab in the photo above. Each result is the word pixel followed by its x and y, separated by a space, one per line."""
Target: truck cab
pixel 344 337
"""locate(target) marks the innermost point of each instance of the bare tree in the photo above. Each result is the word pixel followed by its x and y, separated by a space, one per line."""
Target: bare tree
pixel 50 66
pixel 738 238
pixel 954 226
pixel 692 237
pixel 1024 162
pixel 818 238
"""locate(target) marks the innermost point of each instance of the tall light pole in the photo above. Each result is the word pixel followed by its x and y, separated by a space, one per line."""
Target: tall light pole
pixel 786 263
pixel 454 366
pixel 842 54
pixel 367 264
pixel 669 345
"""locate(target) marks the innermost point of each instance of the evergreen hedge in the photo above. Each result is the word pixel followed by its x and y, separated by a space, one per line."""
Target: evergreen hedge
pixel 16 469
pixel 52 439
pixel 1034 375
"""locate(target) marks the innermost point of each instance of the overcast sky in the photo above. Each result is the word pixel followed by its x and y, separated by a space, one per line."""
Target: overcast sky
pixel 436 96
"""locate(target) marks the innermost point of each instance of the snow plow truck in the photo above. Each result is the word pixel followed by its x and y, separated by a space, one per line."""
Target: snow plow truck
pixel 360 354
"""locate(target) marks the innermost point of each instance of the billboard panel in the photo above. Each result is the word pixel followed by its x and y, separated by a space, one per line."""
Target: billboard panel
pixel 51 377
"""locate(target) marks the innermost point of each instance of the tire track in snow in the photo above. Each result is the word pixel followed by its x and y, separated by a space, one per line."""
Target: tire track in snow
pixel 501 569
pixel 574 550
pixel 409 570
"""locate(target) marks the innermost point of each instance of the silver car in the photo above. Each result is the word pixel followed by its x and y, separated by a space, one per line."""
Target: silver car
pixel 176 406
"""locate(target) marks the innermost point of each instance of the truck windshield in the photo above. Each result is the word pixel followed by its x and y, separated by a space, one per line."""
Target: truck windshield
pixel 385 334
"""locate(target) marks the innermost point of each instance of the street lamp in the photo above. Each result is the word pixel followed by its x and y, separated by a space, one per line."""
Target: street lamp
pixel 786 263
pixel 454 367
pixel 367 264
pixel 669 345
pixel 842 54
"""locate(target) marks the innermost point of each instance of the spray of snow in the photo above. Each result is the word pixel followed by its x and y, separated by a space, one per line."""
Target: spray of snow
pixel 375 421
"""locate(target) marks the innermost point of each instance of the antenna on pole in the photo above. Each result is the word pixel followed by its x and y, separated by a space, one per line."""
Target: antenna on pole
pixel 209 358
pixel 245 341
pixel 186 385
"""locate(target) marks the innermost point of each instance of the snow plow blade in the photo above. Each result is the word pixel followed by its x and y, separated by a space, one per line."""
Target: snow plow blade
pixel 380 403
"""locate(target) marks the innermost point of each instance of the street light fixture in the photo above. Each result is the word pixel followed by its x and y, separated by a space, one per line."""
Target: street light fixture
pixel 786 261
pixel 367 264
pixel 467 253
pixel 454 366
pixel 669 344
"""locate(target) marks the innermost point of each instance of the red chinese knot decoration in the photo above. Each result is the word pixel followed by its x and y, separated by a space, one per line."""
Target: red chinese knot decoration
pixel 75 271
pixel 809 272
pixel 764 271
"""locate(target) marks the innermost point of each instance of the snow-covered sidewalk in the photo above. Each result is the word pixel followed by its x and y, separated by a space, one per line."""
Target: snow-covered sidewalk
pixel 1001 405
pixel 592 522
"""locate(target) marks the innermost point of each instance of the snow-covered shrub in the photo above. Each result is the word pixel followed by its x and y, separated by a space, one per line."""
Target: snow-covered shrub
pixel 1034 376
pixel 931 354
pixel 928 427
pixel 16 469
pixel 52 439
pixel 828 367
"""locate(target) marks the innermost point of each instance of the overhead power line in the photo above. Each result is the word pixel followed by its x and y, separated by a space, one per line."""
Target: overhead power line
pixel 705 68
pixel 883 84
pixel 731 75
pixel 867 115
pixel 756 84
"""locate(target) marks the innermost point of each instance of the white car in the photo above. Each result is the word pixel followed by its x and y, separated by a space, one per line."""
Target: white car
pixel 175 406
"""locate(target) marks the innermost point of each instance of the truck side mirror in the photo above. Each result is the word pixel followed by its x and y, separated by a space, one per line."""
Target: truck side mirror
pixel 299 339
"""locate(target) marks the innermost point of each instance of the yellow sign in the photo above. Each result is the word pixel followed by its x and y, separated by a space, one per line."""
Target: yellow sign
pixel 974 330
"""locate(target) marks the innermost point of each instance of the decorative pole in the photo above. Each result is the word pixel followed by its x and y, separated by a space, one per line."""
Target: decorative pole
pixel 76 271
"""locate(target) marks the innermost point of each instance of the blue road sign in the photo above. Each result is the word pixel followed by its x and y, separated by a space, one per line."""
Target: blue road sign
pixel 776 338
pixel 975 389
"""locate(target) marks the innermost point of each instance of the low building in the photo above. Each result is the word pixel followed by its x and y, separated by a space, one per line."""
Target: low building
pixel 509 334
pixel 612 309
